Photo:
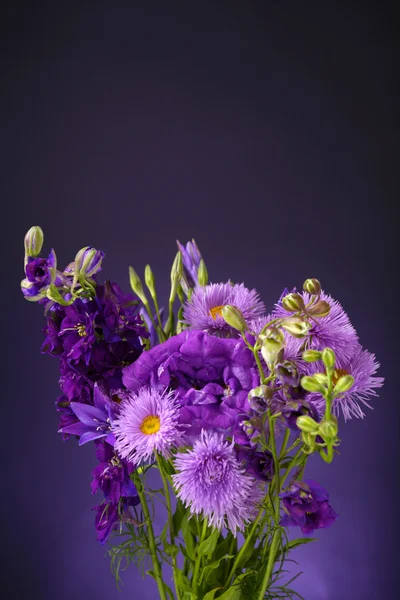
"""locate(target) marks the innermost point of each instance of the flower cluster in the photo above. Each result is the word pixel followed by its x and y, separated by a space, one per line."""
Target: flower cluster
pixel 225 400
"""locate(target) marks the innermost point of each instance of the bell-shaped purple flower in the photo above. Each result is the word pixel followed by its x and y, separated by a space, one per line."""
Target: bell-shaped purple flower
pixel 306 505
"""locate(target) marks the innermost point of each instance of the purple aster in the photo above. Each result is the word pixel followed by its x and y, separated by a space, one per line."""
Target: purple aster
pixel 333 331
pixel 94 421
pixel 38 273
pixel 191 258
pixel 203 311
pixel 362 366
pixel 212 482
pixel 112 475
pixel 148 422
pixel 211 376
pixel 306 505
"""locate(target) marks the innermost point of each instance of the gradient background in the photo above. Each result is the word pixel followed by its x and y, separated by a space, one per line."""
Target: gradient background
pixel 266 131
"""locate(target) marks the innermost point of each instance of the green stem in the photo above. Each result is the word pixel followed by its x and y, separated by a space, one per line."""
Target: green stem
pixel 150 532
pixel 270 564
pixel 291 465
pixel 198 558
pixel 170 523
pixel 243 548
pixel 284 443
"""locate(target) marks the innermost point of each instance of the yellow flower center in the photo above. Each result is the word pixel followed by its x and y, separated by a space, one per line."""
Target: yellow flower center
pixel 216 312
pixel 81 330
pixel 150 425
pixel 337 374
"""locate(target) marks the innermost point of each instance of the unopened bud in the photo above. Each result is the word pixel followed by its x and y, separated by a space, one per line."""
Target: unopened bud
pixel 328 429
pixel 234 317
pixel 297 327
pixel 33 241
pixel 136 285
pixel 307 424
pixel 319 309
pixel 176 275
pixel 312 286
pixel 150 281
pixel 344 384
pixel 88 261
pixel 293 302
pixel 311 355
pixel 202 274
pixel 309 441
pixel 328 358
pixel 258 398
pixel 272 339
pixel 311 384
pixel 288 373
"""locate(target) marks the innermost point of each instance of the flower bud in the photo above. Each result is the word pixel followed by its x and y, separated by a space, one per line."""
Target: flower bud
pixel 328 430
pixel 288 373
pixel 88 261
pixel 328 358
pixel 33 241
pixel 319 309
pixel 258 398
pixel 150 281
pixel 312 286
pixel 176 275
pixel 344 384
pixel 297 327
pixel 54 294
pixel 311 384
pixel 321 378
pixel 309 441
pixel 234 317
pixel 202 274
pixel 272 339
pixel 136 285
pixel 311 355
pixel 307 424
pixel 293 302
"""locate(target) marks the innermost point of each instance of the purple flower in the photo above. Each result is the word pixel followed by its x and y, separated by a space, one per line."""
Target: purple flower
pixel 287 372
pixel 148 422
pixel 191 258
pixel 88 261
pixel 94 421
pixel 107 520
pixel 258 464
pixel 77 331
pixel 203 310
pixel 362 366
pixel 296 408
pixel 38 273
pixel 306 504
pixel 211 377
pixel 211 481
pixel 112 475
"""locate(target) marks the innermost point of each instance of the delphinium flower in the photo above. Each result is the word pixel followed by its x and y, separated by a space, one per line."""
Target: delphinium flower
pixel 40 273
pixel 333 331
pixel 204 309
pixel 112 475
pixel 191 258
pixel 306 505
pixel 148 423
pixel 362 367
pixel 211 481
pixel 211 376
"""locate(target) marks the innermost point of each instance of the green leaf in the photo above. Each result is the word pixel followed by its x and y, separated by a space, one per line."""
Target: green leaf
pixel 297 542
pixel 183 582
pixel 210 595
pixel 208 546
pixel 170 549
pixel 178 516
pixel 188 537
pixel 211 566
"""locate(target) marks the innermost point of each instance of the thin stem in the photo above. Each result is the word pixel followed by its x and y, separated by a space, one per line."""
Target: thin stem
pixel 284 443
pixel 243 548
pixel 198 558
pixel 170 523
pixel 270 564
pixel 150 532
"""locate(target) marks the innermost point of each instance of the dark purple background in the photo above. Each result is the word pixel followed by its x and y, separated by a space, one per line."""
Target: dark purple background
pixel 265 132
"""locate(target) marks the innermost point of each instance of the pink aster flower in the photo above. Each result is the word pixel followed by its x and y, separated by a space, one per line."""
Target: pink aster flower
pixel 212 482
pixel 204 309
pixel 148 422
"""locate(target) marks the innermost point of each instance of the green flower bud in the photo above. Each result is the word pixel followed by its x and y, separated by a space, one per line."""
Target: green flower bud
pixel 319 309
pixel 176 276
pixel 88 262
pixel 136 285
pixel 234 317
pixel 328 429
pixel 309 441
pixel 202 274
pixel 321 378
pixel 328 358
pixel 312 286
pixel 311 384
pixel 311 355
pixel 150 281
pixel 293 302
pixel 296 326
pixel 307 424
pixel 344 384
pixel 272 339
pixel 33 241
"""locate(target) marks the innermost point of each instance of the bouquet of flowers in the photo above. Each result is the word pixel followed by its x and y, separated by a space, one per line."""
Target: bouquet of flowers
pixel 225 401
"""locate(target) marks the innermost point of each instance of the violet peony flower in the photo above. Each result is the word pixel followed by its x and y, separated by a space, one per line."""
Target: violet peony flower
pixel 203 311
pixel 148 422
pixel 94 421
pixel 362 366
pixel 333 331
pixel 306 504
pixel 211 377
pixel 211 481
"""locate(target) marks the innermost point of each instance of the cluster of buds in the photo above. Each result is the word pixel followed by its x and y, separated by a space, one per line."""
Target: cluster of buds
pixel 322 436
pixel 303 314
